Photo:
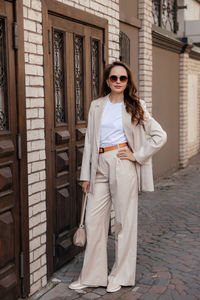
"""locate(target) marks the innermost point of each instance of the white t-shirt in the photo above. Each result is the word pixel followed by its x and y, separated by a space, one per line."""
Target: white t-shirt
pixel 112 132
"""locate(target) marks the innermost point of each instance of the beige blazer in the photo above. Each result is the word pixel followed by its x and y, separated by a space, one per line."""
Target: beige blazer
pixel 144 140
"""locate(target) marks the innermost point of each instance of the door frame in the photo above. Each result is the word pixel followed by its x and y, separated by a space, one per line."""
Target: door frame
pixel 23 173
pixel 65 11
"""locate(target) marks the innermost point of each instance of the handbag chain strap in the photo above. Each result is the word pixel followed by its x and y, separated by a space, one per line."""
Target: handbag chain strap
pixel 84 200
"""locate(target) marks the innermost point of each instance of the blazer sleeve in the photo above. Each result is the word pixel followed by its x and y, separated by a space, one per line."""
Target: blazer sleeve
pixel 85 168
pixel 155 137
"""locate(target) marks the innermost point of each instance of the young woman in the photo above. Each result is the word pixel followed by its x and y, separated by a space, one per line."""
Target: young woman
pixel 120 140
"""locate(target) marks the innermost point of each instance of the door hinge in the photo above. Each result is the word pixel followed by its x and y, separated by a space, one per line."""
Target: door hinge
pixel 19 146
pixel 21 259
pixel 49 41
pixel 54 244
pixel 104 53
pixel 15 36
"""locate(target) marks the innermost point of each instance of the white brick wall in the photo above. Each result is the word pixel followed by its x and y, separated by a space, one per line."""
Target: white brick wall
pixel 193 123
pixel 193 10
pixel 35 119
pixel 145 52
pixel 36 142
pixel 189 109
pixel 183 116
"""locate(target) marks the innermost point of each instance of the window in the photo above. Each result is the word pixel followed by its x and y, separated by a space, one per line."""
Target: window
pixel 124 42
pixel 164 14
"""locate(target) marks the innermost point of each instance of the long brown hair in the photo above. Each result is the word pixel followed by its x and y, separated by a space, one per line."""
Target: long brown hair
pixel 132 103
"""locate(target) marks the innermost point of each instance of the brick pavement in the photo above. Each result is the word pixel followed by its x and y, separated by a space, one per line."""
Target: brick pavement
pixel 168 260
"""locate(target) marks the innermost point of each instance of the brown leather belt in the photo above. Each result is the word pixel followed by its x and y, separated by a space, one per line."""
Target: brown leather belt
pixel 102 150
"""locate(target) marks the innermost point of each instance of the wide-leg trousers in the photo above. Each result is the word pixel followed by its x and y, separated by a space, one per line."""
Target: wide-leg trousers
pixel 116 183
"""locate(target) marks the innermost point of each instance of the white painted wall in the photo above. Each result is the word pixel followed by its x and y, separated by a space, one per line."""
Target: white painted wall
pixel 191 13
pixel 193 10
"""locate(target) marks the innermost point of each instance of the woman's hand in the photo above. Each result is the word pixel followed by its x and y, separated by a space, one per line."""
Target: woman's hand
pixel 126 154
pixel 85 186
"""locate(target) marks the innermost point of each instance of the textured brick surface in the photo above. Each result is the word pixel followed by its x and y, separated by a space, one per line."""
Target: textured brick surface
pixel 193 107
pixel 36 140
pixel 189 109
pixel 168 256
pixel 183 98
pixel 145 52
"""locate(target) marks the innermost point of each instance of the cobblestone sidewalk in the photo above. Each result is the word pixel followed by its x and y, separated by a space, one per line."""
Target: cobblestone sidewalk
pixel 168 260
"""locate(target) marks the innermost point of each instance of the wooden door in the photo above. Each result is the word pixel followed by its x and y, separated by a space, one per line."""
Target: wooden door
pixel 75 64
pixel 9 177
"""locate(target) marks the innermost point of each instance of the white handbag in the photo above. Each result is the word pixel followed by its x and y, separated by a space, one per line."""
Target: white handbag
pixel 79 238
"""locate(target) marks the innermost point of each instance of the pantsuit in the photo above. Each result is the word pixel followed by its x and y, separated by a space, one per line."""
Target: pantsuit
pixel 116 183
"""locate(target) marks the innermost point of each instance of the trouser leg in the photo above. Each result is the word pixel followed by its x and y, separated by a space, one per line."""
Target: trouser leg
pixel 124 193
pixel 95 267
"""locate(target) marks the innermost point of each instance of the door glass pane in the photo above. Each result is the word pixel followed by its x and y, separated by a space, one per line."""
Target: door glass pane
pixel 124 43
pixel 169 14
pixel 79 77
pixel 3 87
pixel 95 68
pixel 60 116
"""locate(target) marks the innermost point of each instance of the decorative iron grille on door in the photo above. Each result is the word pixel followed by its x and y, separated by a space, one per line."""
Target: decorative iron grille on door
pixel 164 14
pixel 59 76
pixel 79 76
pixel 3 79
pixel 95 52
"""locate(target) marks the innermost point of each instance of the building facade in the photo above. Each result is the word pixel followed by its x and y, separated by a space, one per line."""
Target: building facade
pixel 52 57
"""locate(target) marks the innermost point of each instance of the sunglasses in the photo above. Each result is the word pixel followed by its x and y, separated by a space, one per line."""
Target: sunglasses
pixel 113 78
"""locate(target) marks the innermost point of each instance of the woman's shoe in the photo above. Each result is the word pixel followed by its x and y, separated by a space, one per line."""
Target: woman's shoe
pixel 76 285
pixel 113 287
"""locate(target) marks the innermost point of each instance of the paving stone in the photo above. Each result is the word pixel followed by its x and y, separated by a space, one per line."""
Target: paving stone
pixel 176 296
pixel 147 280
pixel 74 297
pixel 100 291
pixel 142 288
pixel 160 269
pixel 113 296
pixel 149 297
pixel 131 296
pixel 162 281
pixel 60 292
pixel 165 297
pixel 195 292
pixel 90 296
pixel 157 289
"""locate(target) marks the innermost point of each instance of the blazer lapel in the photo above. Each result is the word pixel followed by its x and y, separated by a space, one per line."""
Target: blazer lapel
pixel 98 116
pixel 128 126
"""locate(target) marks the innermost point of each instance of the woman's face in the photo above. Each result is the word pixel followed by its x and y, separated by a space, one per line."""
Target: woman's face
pixel 118 79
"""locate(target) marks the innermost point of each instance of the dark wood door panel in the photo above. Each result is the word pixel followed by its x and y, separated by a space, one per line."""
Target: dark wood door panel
pixel 6 146
pixel 8 283
pixel 75 63
pixel 5 178
pixel 7 238
pixel 9 169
